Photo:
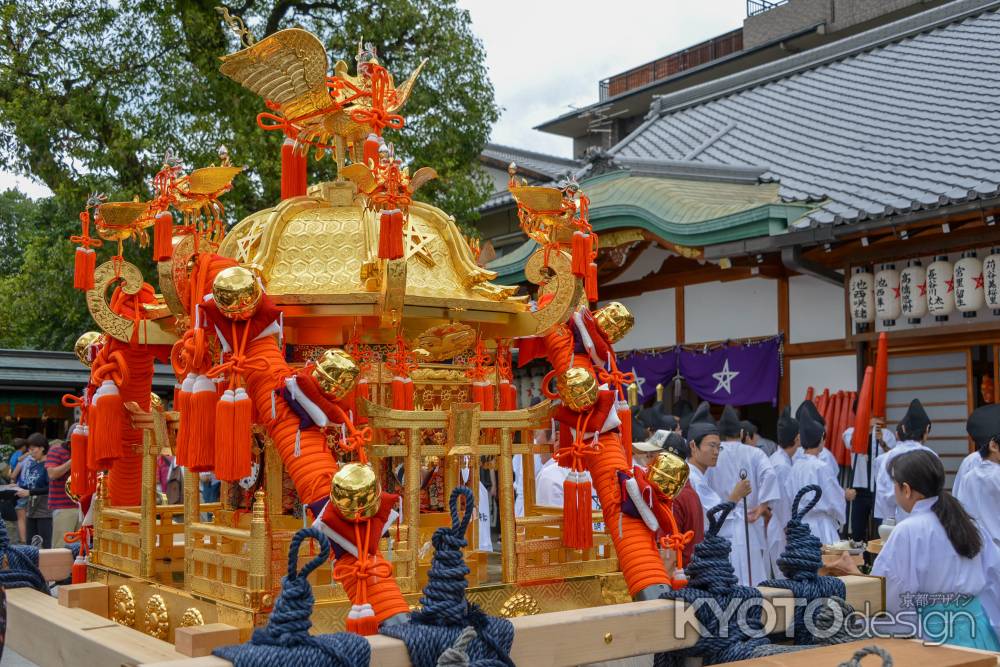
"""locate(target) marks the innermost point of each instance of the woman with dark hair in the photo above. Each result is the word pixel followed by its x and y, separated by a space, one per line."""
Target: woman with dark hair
pixel 942 577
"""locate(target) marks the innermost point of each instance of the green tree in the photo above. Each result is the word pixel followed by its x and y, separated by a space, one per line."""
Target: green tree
pixel 93 93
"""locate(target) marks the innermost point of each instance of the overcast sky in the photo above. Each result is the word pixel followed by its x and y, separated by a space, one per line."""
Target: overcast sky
pixel 546 56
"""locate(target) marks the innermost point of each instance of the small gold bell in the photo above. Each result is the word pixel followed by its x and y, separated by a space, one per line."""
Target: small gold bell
pixel 336 372
pixel 237 292
pixel 577 387
pixel 355 491
pixel 614 320
pixel 668 473
pixel 82 347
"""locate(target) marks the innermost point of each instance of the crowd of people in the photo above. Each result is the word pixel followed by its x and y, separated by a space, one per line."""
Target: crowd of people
pixel 33 499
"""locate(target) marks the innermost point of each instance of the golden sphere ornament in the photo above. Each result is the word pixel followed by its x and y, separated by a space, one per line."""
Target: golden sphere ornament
pixel 82 347
pixel 237 292
pixel 577 387
pixel 336 372
pixel 668 473
pixel 614 320
pixel 355 491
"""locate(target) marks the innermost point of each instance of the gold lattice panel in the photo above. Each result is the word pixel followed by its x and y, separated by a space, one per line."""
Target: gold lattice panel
pixel 319 252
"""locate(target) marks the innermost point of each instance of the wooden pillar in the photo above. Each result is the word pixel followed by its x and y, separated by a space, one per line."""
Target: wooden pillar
pixel 679 314
pixel 784 326
pixel 192 514
pixel 506 483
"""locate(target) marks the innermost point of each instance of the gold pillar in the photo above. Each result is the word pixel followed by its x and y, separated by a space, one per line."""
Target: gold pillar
pixel 509 562
pixel 98 505
pixel 192 514
pixel 411 504
pixel 273 478
pixel 147 507
pixel 257 576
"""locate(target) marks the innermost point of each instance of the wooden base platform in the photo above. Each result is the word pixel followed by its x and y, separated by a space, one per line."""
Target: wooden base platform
pixel 904 652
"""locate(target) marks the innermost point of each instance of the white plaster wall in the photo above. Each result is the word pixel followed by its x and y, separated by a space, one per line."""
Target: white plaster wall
pixel 655 321
pixel 833 373
pixel 736 309
pixel 815 310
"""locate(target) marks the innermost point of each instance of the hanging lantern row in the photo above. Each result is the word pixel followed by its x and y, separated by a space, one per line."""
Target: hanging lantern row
pixel 915 292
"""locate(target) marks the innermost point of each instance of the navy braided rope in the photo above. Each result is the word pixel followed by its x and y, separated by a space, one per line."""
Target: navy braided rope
pixel 711 578
pixel 19 565
pixel 800 563
pixel 285 640
pixel 446 612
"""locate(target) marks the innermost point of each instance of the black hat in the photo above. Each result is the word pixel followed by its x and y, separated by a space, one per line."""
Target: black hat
pixel 729 423
pixel 983 424
pixel 701 424
pixel 749 430
pixel 810 407
pixel 810 431
pixel 788 427
pixel 638 427
pixel 682 409
pixel 914 423
pixel 676 445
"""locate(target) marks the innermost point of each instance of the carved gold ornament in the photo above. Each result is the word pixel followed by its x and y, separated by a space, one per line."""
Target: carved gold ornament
pixel 668 473
pixel 336 372
pixel 157 619
pixel 577 387
pixel 614 320
pixel 129 279
pixel 123 606
pixel 519 604
pixel 191 617
pixel 83 347
pixel 355 491
pixel 446 340
pixel 117 221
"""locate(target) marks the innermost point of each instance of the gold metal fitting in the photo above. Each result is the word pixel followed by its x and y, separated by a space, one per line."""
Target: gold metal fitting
pixel 82 347
pixel 236 292
pixel 336 372
pixel 577 387
pixel 355 491
pixel 668 473
pixel 615 320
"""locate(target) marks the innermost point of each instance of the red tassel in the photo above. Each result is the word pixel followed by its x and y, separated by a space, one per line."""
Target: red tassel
pixel 402 393
pixel 571 513
pixel 83 268
pixel 390 235
pixel 508 396
pixel 201 433
pixel 590 282
pixel 625 416
pixel 106 426
pixel 370 151
pixel 81 479
pixel 584 491
pixel 580 253
pixel 79 570
pixel 288 169
pixel 233 420
pixel 361 620
pixel 163 237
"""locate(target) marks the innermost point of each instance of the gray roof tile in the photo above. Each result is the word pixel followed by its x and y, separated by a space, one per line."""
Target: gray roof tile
pixel 541 163
pixel 902 118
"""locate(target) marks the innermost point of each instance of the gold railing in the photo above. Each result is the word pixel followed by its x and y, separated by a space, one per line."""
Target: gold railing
pixel 541 554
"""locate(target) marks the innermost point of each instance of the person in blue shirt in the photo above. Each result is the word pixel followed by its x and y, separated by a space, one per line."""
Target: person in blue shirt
pixel 17 461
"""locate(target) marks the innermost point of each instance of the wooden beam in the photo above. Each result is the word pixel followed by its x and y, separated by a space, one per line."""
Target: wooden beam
pixel 930 242
pixel 819 348
pixel 903 652
pixel 947 335
pixel 679 315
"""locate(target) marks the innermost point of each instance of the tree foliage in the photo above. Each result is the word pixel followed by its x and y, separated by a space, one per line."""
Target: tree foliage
pixel 93 93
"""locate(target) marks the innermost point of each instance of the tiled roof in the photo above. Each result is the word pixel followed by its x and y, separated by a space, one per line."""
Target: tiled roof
pixel 58 370
pixel 550 166
pixel 900 118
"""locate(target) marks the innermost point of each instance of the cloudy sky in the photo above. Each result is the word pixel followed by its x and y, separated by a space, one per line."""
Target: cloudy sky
pixel 546 56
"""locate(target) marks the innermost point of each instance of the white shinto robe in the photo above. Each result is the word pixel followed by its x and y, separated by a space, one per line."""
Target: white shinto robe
pixel 827 517
pixel 781 509
pixel 918 558
pixel 980 494
pixel 859 462
pixel 517 463
pixel 709 499
pixel 826 456
pixel 482 513
pixel 734 457
pixel 885 498
pixel 968 463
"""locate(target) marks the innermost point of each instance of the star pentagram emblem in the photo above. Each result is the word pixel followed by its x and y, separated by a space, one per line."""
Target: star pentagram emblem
pixel 416 244
pixel 923 289
pixel 950 284
pixel 895 292
pixel 980 280
pixel 725 378
pixel 639 381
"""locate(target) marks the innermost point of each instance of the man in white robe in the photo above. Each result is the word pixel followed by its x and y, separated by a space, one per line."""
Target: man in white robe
pixel 482 511
pixel 967 464
pixel 781 509
pixel 703 443
pixel 864 473
pixel 911 434
pixel 826 518
pixel 737 460
pixel 979 491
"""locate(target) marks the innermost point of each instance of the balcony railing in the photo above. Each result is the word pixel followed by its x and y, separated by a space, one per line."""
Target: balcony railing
pixel 755 7
pixel 699 54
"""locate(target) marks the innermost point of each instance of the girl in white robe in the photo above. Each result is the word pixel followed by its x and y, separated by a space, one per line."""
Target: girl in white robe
pixel 978 489
pixel 942 575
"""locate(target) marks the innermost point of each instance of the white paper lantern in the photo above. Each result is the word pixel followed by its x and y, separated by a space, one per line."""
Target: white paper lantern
pixel 991 280
pixel 968 284
pixel 913 291
pixel 940 288
pixel 887 294
pixel 862 297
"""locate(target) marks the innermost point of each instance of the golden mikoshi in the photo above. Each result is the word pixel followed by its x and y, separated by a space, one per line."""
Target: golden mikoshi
pixel 668 473
pixel 355 491
pixel 237 292
pixel 83 345
pixel 615 321
pixel 577 388
pixel 336 372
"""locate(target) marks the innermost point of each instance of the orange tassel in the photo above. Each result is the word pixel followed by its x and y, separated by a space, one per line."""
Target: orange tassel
pixel 234 414
pixel 590 282
pixel 571 513
pixel 390 234
pixel 201 433
pixel 288 168
pixel 508 396
pixel 584 491
pixel 402 393
pixel 370 151
pixel 225 411
pixel 83 268
pixel 163 236
pixel 182 403
pixel 79 570
pixel 107 425
pixel 362 390
pixel 580 253
pixel 625 416
pixel 81 479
